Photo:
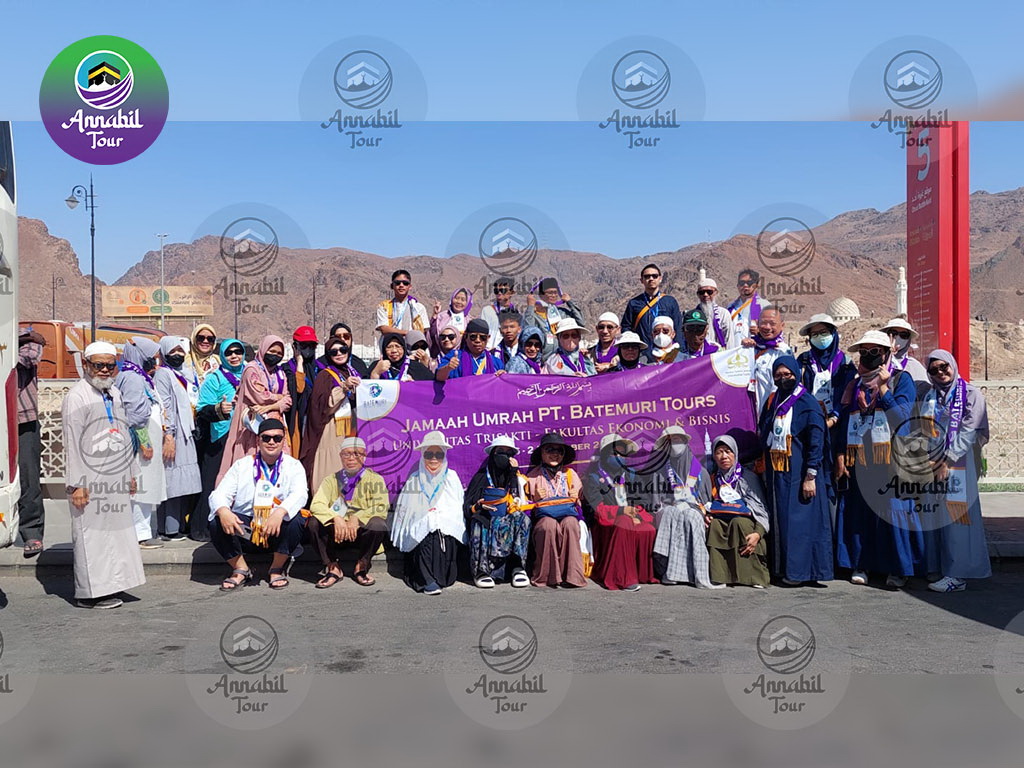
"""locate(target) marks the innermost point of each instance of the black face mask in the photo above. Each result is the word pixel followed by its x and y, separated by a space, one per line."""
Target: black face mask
pixel 871 359
pixel 501 462
pixel 271 360
pixel 786 386
pixel 149 364
pixel 175 361
pixel 307 353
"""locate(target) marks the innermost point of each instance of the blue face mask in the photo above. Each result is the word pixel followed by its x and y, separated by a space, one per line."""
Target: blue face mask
pixel 822 342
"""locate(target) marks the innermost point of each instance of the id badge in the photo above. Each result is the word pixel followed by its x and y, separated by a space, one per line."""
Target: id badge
pixel 728 494
pixel 344 410
pixel 264 494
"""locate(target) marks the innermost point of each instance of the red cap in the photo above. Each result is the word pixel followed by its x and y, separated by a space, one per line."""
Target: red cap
pixel 304 333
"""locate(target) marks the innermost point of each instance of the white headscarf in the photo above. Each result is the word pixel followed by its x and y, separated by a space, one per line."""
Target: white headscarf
pixel 428 502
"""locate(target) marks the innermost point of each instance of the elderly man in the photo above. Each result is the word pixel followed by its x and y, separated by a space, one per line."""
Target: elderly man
pixel 666 348
pixel 260 498
pixel 643 310
pixel 901 333
pixel 768 346
pixel 745 309
pixel 695 336
pixel 100 468
pixel 721 327
pixel 350 510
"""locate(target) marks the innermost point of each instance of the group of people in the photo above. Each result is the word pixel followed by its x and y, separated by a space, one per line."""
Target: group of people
pixel 267 452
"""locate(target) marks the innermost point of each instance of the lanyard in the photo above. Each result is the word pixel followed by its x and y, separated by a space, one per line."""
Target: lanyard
pixel 272 473
pixel 108 403
pixel 440 484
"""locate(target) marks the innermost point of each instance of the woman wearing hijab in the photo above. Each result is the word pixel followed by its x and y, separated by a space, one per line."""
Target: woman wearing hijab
pixel 396 364
pixel 792 432
pixel 559 533
pixel 630 353
pixel 213 414
pixel 682 495
pixel 549 308
pixel 472 359
pixel 262 394
pixel 450 341
pixel 877 531
pixel 343 332
pixel 568 359
pixel 737 520
pixel 181 463
pixel 331 416
pixel 499 523
pixel 144 410
pixel 202 359
pixel 624 529
pixel 956 418
pixel 457 315
pixel 528 360
pixel 428 525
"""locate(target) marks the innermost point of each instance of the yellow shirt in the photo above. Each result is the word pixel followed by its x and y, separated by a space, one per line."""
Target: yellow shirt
pixel 369 499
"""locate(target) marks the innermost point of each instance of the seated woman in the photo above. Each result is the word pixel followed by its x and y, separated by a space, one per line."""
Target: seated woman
pixel 682 493
pixel 528 359
pixel 737 520
pixel 428 525
pixel 558 527
pixel 624 529
pixel 568 359
pixel 396 364
pixel 499 524
pixel 350 510
pixel 260 498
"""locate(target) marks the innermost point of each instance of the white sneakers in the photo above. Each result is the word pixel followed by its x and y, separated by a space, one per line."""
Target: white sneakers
pixel 948 584
pixel 859 577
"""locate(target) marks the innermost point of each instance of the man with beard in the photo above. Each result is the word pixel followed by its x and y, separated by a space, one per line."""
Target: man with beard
pixel 721 328
pixel 300 372
pixel 99 464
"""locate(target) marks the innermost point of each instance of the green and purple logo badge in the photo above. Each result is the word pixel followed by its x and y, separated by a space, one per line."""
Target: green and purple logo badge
pixel 103 100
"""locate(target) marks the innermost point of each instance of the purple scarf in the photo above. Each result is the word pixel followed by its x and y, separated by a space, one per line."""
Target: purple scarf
pixel 233 380
pixel 393 374
pixel 347 484
pixel 707 349
pixel 606 357
pixel 762 343
pixel 467 366
pixel 719 332
pixel 787 405
pixel 532 363
pixel 955 407
pixel 579 359
pixel 127 365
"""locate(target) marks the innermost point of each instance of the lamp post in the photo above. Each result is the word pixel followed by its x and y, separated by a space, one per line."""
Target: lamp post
pixel 985 324
pixel 80 194
pixel 318 280
pixel 162 291
pixel 55 283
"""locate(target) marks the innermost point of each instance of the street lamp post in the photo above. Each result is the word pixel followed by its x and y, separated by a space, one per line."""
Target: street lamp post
pixel 55 283
pixel 80 194
pixel 162 291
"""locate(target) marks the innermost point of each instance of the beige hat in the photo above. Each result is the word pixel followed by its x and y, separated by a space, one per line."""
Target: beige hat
pixel 668 433
pixel 903 325
pixel 502 441
pixel 630 338
pixel 569 324
pixel 434 438
pixel 707 282
pixel 631 447
pixel 820 318
pixel 871 338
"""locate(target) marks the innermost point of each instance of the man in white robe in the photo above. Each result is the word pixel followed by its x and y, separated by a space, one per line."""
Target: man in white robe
pixel 100 468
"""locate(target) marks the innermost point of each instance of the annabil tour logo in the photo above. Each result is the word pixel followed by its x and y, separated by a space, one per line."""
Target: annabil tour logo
pixel 103 100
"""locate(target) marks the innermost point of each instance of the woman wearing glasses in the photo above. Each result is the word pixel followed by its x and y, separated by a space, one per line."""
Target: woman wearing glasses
pixel 568 359
pixel 202 354
pixel 449 340
pixel 396 364
pixel 528 360
pixel 902 334
pixel 472 359
pixel 428 525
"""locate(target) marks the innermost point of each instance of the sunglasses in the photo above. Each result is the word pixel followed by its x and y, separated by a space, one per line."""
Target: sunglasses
pixel 433 454
pixel 335 351
pixel 706 292
pixel 554 449
pixel 343 336
pixel 307 345
pixel 203 337
pixel 271 438
pixel 234 352
pixel 901 334
pixel 939 368
pixel 419 345
pixel 104 366
pixel 650 276
pixel 402 282
pixel 448 336
pixel 741 283
pixel 606 327
pixel 501 291
pixel 693 328
pixel 477 337
pixel 571 334
pixel 532 344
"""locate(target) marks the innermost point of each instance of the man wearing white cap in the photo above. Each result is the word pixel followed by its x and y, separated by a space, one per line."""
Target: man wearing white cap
pixel 642 310
pixel 350 508
pixel 721 331
pixel 666 348
pixel 902 333
pixel 100 467
pixel 606 350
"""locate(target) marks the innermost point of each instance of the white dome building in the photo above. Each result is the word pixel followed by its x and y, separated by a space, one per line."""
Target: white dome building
pixel 843 310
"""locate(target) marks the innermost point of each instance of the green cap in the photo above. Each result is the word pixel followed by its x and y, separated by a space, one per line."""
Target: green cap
pixel 695 317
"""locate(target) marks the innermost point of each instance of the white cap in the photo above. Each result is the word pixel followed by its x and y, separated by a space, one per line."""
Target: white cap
pixel 609 317
pixel 353 442
pixel 871 338
pixel 707 282
pixel 664 320
pixel 99 348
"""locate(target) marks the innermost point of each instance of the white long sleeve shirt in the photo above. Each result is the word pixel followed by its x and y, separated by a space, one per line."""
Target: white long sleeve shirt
pixel 237 489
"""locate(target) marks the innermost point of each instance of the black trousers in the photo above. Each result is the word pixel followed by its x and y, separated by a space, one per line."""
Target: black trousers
pixel 209 465
pixel 432 561
pixel 284 544
pixel 369 537
pixel 30 505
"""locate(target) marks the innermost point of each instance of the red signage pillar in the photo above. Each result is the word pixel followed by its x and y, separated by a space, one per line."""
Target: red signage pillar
pixel 938 239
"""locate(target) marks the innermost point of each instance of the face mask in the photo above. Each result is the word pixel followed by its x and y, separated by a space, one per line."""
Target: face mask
pixel 823 341
pixel 871 360
pixel 901 344
pixel 175 361
pixel 307 353
pixel 662 340
pixel 677 449
pixel 149 364
pixel 271 360
pixel 501 462
pixel 786 385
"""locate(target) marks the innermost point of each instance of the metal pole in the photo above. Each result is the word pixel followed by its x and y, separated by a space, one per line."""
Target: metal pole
pixel 986 351
pixel 92 254
pixel 162 290
pixel 53 297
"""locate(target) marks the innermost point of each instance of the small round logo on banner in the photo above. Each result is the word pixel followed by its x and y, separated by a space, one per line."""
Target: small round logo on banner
pixel 252 671
pixel 641 79
pixel 785 671
pixel 507 671
pixel 248 246
pixel 1008 660
pixel 508 246
pixel 19 668
pixel 103 100
pixel 785 246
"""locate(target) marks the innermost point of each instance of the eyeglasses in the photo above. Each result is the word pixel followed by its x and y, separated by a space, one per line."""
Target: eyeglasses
pixel 433 454
pixel 606 327
pixel 501 291
pixel 347 454
pixel 402 282
pixel 447 336
pixel 203 337
pixel 570 334
pixel 104 366
pixel 740 283
pixel 901 334
pixel 650 276
pixel 528 344
pixel 706 292
pixel 234 352
pixel 477 337
pixel 335 351
pixel 938 368
pixel 271 438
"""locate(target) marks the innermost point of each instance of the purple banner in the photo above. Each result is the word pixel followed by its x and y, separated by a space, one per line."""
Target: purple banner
pixel 706 396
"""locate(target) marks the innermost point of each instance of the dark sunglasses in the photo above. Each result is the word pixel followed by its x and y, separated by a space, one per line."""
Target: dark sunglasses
pixel 271 438
pixel 555 448
pixel 571 334
pixel 606 327
pixel 104 366
pixel 706 292
pixel 448 336
pixel 744 282
pixel 650 276
pixel 501 291
pixel 901 334
pixel 333 351
pixel 307 345
pixel 694 328
pixel 433 454
pixel 938 368
pixel 476 337
pixel 532 343
pixel 419 345
pixel 233 351
pixel 402 282
pixel 203 337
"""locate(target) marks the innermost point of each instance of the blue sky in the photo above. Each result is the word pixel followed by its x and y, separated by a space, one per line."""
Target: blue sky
pixel 501 125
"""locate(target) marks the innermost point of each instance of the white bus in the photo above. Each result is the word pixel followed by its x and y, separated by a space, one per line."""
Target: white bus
pixel 10 487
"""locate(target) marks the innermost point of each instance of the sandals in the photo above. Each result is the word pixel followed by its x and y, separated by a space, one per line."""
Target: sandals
pixel 364 579
pixel 484 582
pixel 329 580
pixel 33 548
pixel 520 579
pixel 277 577
pixel 246 579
